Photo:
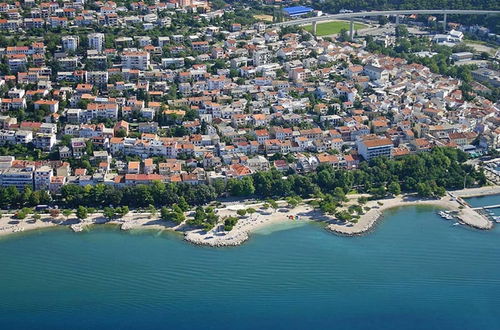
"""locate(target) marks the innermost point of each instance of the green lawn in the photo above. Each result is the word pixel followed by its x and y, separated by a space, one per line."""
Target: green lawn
pixel 480 42
pixel 324 29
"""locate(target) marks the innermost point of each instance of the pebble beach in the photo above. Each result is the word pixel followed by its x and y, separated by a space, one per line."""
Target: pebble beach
pixel 264 217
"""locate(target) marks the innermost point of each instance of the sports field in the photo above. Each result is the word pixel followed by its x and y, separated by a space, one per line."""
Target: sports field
pixel 265 18
pixel 324 29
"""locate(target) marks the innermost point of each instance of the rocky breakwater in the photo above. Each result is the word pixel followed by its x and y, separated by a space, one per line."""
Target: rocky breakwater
pixel 363 225
pixel 216 239
pixel 474 219
pixel 78 227
pixel 128 225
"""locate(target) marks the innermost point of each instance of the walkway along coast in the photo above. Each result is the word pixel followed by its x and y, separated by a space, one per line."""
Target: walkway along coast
pixel 265 217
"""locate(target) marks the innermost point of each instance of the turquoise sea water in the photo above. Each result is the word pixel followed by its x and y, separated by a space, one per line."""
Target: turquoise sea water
pixel 414 271
pixel 485 200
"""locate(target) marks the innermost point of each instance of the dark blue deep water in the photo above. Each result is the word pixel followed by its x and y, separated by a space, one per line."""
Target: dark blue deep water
pixel 414 271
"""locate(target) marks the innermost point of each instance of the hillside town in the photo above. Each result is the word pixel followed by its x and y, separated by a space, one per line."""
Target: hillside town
pixel 219 104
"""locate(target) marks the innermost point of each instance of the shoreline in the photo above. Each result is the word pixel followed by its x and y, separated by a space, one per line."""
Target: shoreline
pixel 241 232
pixel 466 216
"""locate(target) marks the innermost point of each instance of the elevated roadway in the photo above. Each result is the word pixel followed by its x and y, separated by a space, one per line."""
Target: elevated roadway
pixel 350 16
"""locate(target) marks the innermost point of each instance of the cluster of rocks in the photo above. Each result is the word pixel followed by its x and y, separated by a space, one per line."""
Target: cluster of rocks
pixel 216 241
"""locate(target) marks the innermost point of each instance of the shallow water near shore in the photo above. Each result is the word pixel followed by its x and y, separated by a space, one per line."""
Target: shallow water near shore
pixel 413 271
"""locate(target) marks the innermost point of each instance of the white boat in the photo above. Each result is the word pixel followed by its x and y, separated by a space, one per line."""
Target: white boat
pixel 456 224
pixel 445 215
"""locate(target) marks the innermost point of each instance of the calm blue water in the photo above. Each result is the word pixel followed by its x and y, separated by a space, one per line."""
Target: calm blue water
pixel 485 200
pixel 415 271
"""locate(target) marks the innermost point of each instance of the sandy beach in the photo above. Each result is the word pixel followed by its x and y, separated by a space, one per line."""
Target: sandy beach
pixel 264 217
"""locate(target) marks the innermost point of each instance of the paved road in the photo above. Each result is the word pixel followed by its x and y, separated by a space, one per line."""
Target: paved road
pixel 309 20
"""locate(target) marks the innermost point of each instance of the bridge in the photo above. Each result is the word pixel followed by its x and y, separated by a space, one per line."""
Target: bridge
pixel 314 20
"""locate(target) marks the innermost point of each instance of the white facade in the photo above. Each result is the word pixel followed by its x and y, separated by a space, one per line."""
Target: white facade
pixel 97 78
pixel 135 60
pixel 42 177
pixel 377 147
pixel 70 43
pixel 96 41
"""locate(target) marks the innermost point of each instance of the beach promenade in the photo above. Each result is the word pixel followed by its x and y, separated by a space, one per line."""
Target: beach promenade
pixel 264 217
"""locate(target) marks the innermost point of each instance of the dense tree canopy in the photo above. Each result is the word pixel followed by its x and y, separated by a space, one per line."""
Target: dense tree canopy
pixel 428 174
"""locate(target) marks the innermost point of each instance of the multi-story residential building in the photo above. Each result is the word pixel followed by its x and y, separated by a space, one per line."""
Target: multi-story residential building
pixel 371 147
pixel 261 57
pixel 17 177
pixel 97 78
pixel 44 141
pixel 70 43
pixel 42 177
pixel 376 72
pixel 78 147
pixel 135 60
pixel 96 41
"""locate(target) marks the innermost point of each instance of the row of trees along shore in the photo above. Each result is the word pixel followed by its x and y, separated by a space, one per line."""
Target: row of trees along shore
pixel 427 174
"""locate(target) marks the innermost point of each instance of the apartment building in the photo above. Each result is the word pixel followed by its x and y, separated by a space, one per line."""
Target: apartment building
pixel 135 60
pixel 17 177
pixel 371 147
pixel 70 43
pixel 96 41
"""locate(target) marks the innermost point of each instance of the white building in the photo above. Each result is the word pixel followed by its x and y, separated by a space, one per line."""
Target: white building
pixel 70 43
pixel 135 60
pixel 97 78
pixel 376 72
pixel 261 57
pixel 96 41
pixel 17 177
pixel 370 148
pixel 42 177
pixel 44 141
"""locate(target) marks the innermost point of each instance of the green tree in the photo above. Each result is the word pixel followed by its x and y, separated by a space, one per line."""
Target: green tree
pixel 183 204
pixel 152 211
pixel 229 223
pixel 66 213
pixel 394 188
pixel 424 189
pixel 164 213
pixel 292 202
pixel 343 216
pixel 81 212
pixel 109 212
pixel 362 200
pixel 401 31
pixel 241 187
pixel 339 194
pixel 122 211
pixel 36 216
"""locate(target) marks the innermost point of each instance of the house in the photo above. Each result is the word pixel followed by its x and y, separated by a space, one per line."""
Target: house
pixel 121 128
pixel 148 165
pixel 133 167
